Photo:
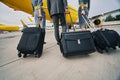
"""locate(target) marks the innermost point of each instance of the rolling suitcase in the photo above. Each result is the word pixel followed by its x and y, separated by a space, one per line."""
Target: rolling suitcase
pixel 31 41
pixel 76 43
pixel 105 39
pixel 113 38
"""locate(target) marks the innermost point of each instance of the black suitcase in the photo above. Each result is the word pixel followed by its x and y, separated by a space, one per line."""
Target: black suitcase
pixel 105 39
pixel 31 41
pixel 113 38
pixel 76 43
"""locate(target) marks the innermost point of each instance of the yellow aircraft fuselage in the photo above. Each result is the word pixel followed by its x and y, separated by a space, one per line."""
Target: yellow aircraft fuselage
pixel 4 27
pixel 25 6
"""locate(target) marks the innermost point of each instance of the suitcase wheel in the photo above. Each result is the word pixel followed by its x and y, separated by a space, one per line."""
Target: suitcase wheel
pixel 25 55
pixel 114 48
pixel 65 55
pixel 106 49
pixel 19 54
pixel 119 46
pixel 100 51
pixel 39 55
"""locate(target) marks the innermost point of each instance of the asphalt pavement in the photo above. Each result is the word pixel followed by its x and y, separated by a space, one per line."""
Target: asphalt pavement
pixel 52 65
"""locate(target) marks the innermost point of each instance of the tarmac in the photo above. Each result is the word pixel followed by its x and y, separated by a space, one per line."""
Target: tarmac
pixel 52 65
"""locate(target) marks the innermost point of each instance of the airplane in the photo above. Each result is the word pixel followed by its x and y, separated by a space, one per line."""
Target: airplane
pixel 16 5
pixel 97 20
pixel 25 6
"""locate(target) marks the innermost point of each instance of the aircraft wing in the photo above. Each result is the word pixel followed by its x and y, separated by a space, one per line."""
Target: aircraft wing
pixel 104 14
pixel 4 27
pixel 19 5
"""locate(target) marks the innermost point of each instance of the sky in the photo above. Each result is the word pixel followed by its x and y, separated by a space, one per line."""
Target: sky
pixel 9 16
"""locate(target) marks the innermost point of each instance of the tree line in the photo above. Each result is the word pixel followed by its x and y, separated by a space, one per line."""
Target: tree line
pixel 111 18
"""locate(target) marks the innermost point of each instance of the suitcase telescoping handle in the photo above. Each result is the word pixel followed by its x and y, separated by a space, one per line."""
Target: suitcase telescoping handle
pixel 88 22
pixel 71 22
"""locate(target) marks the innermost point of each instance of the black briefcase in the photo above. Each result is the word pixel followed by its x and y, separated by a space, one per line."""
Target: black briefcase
pixel 76 43
pixel 31 41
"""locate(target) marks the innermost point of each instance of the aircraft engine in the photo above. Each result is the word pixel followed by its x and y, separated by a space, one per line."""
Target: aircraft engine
pixel 97 21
